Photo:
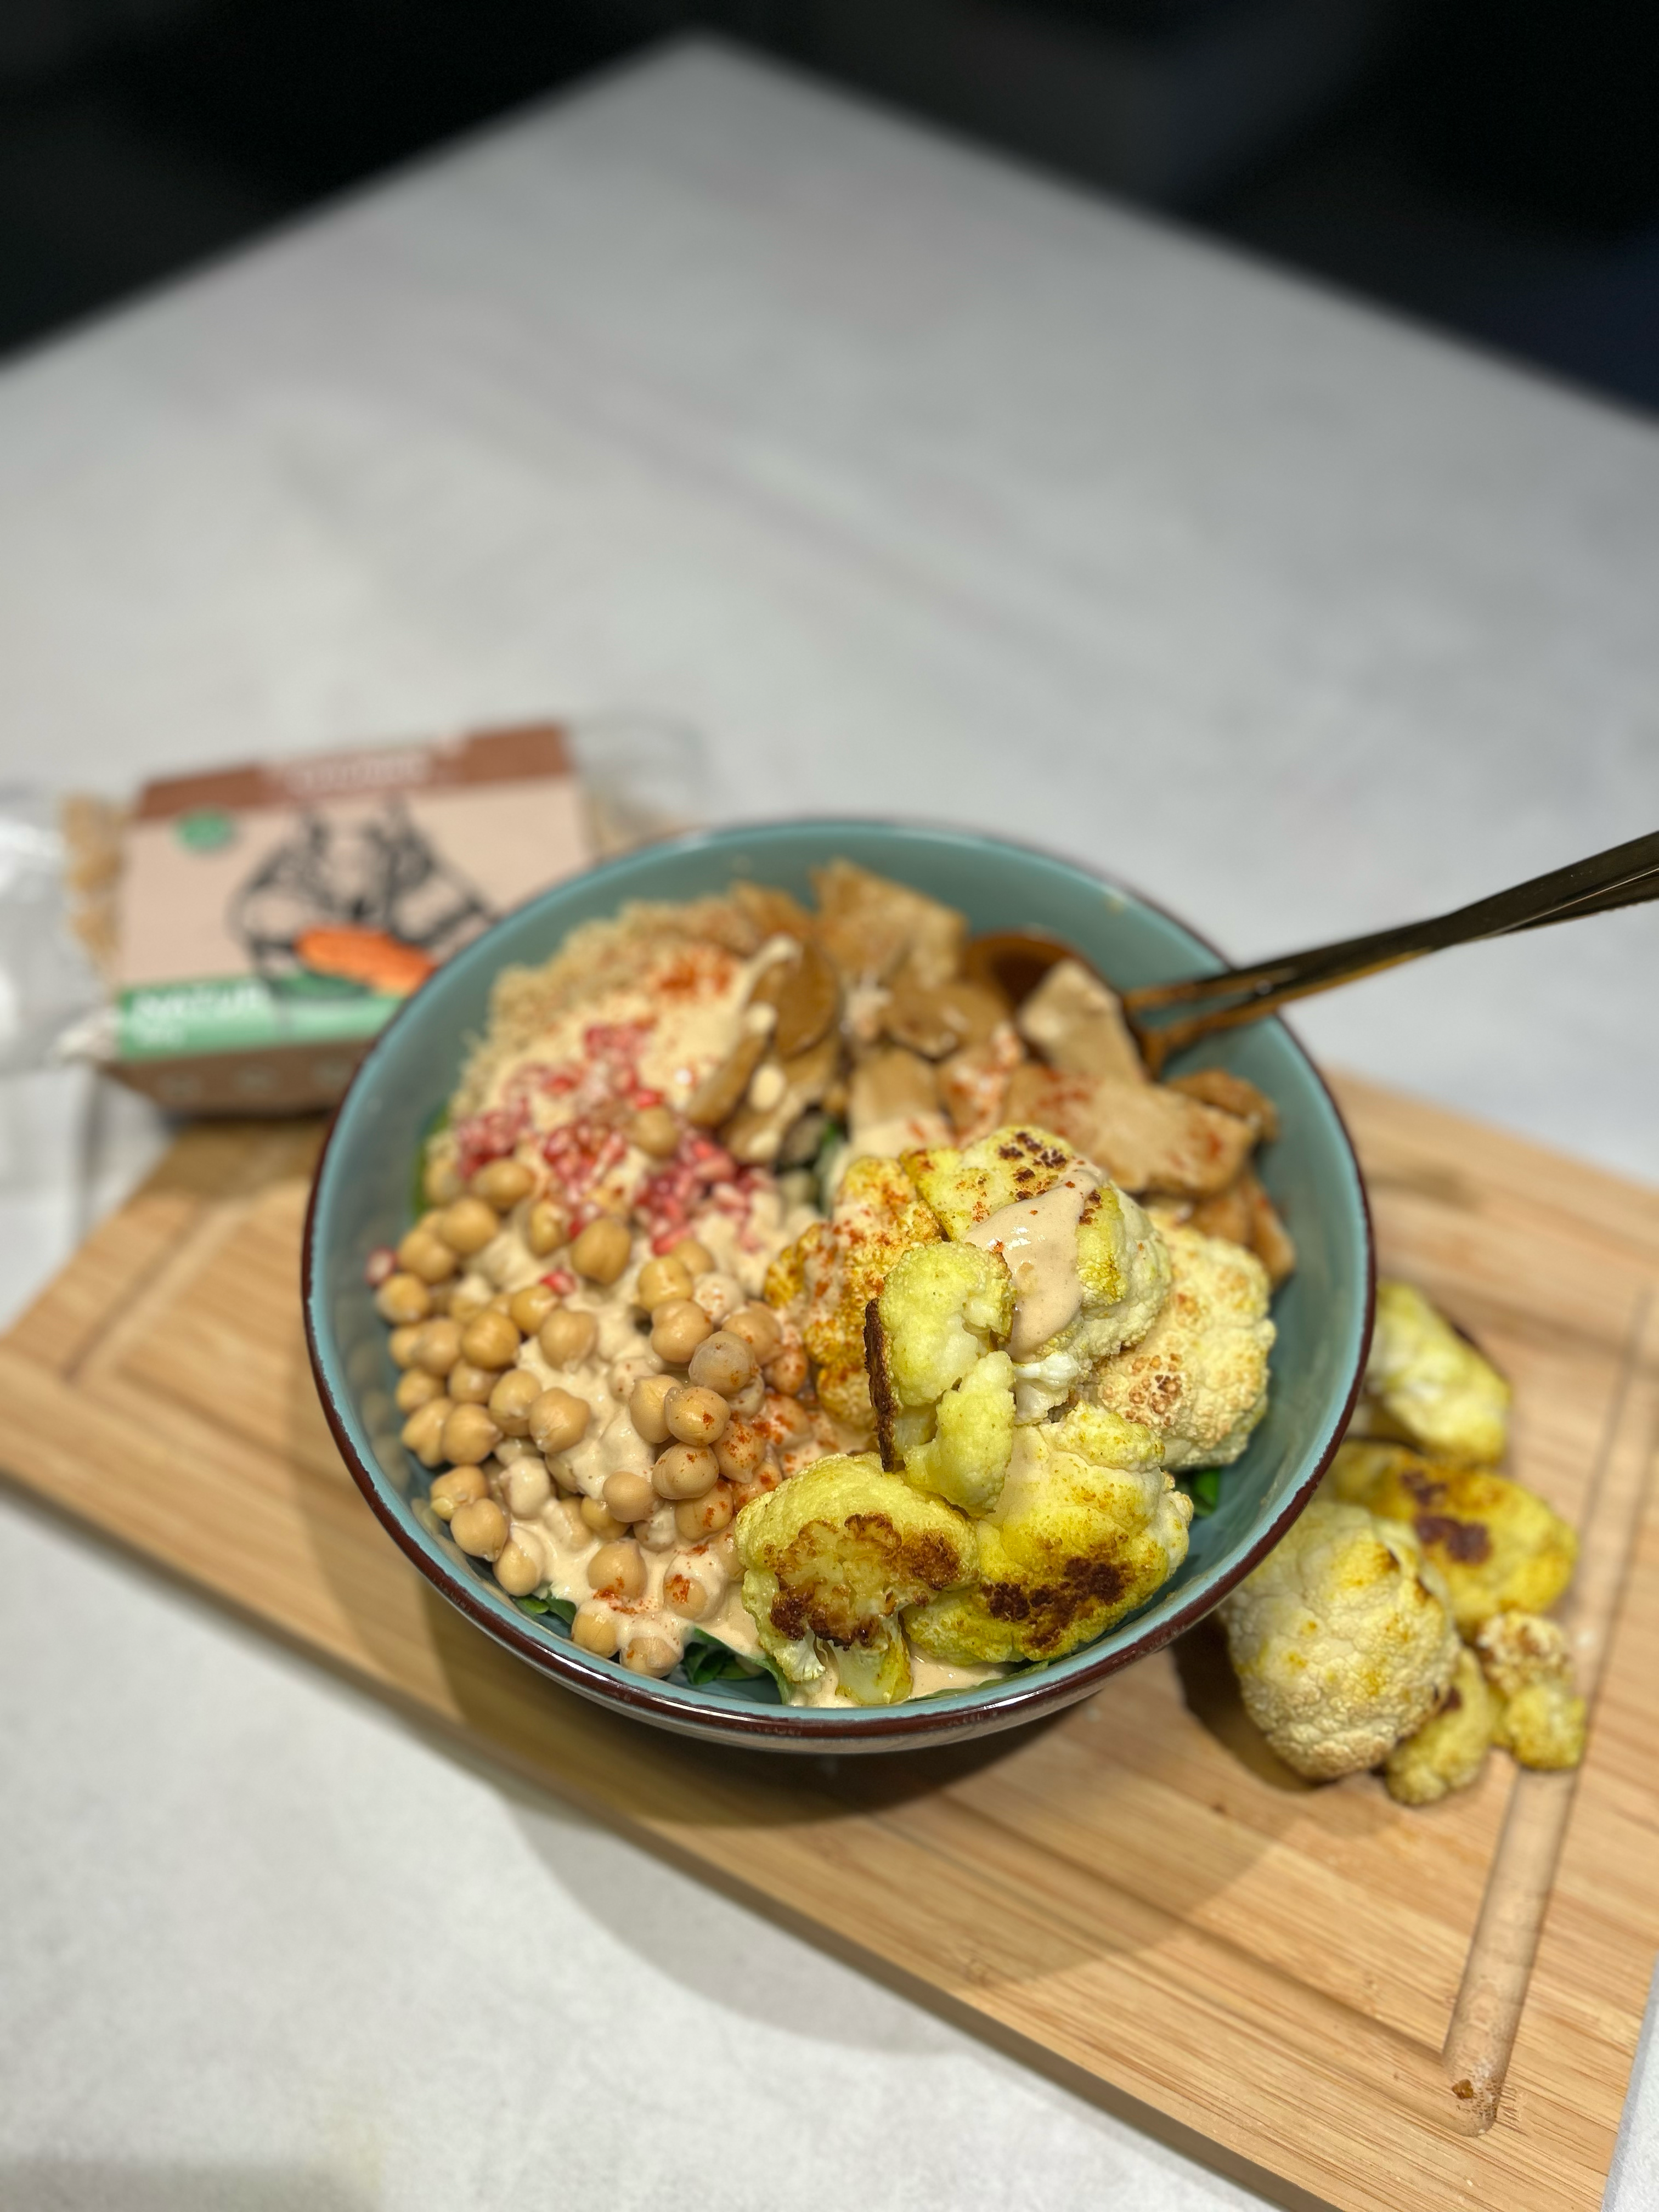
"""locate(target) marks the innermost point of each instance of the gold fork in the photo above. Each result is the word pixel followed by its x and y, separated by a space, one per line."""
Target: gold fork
pixel 1625 875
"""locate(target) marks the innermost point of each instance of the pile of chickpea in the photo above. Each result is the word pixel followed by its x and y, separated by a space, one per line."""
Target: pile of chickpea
pixel 723 1419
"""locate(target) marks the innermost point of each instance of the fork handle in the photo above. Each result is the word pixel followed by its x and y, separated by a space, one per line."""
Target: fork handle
pixel 1625 875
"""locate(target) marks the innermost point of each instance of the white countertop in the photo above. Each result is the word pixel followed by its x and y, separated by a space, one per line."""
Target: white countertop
pixel 919 486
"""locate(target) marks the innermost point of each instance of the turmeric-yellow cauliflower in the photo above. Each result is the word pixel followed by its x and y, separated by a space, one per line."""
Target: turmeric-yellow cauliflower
pixel 944 1393
pixel 837 1551
pixel 1449 1751
pixel 1116 1268
pixel 1088 1525
pixel 835 1269
pixel 1540 1717
pixel 1431 1384
pixel 1198 1379
pixel 1500 1547
pixel 1342 1639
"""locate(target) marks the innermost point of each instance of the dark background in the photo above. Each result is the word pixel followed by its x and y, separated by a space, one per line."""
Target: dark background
pixel 1490 168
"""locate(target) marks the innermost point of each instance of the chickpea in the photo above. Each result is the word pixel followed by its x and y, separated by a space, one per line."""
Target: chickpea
pixel 788 1417
pixel 758 1326
pixel 749 1399
pixel 502 1183
pixel 529 1308
pixel 403 1298
pixel 471 1386
pixel 655 1130
pixel 467 1225
pixel 470 1436
pixel 684 1594
pixel 617 1570
pixel 677 1330
pixel 439 1184
pixel 594 1629
pixel 684 1471
pixel 740 1450
pixel 646 1402
pixel 659 1281
pixel 568 1336
pixel 489 1339
pixel 415 1388
pixel 511 1399
pixel 439 1346
pixel 422 1433
pixel 516 1570
pixel 426 1256
pixel 694 1257
pixel 599 1522
pixel 719 1295
pixel 405 1342
pixel 558 1420
pixel 562 1519
pixel 443 1294
pixel 650 1655
pixel 546 1229
pixel 695 1416
pixel 696 1518
pixel 629 1497
pixel 527 1487
pixel 722 1363
pixel 787 1371
pixel 602 1250
pixel 479 1527
pixel 460 1487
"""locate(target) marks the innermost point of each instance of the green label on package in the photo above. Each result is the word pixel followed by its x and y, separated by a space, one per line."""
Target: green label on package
pixel 237 1013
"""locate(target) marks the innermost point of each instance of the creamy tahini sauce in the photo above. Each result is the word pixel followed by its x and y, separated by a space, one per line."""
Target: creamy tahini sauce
pixel 1037 1237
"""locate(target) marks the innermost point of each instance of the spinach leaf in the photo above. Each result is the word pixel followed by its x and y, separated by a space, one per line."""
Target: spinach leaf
pixel 561 1608
pixel 1204 1488
pixel 708 1660
pixel 418 1200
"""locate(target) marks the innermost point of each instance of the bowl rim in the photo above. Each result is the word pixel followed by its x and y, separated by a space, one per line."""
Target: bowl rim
pixel 788 1727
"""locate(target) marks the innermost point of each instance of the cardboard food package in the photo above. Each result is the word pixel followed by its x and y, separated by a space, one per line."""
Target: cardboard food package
pixel 272 918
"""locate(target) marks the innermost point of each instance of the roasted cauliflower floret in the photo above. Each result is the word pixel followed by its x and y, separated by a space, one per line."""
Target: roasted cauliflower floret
pixel 830 1275
pixel 1543 1725
pixel 1500 1548
pixel 1541 1717
pixel 944 1396
pixel 876 1673
pixel 837 1551
pixel 1449 1751
pixel 1198 1378
pixel 1342 1640
pixel 1041 1195
pixel 1087 1527
pixel 1431 1385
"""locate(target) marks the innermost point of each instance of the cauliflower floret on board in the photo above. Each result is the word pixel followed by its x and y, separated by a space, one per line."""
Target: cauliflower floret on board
pixel 1198 1378
pixel 1119 1260
pixel 1431 1384
pixel 830 1275
pixel 1087 1527
pixel 1341 1640
pixel 1540 1717
pixel 944 1396
pixel 838 1551
pixel 1499 1547
pixel 1449 1751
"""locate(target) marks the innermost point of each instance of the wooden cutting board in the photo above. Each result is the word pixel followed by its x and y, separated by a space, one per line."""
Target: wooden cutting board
pixel 1313 1989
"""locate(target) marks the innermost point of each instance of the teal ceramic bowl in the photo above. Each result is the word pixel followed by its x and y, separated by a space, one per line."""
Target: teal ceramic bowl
pixel 363 1198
